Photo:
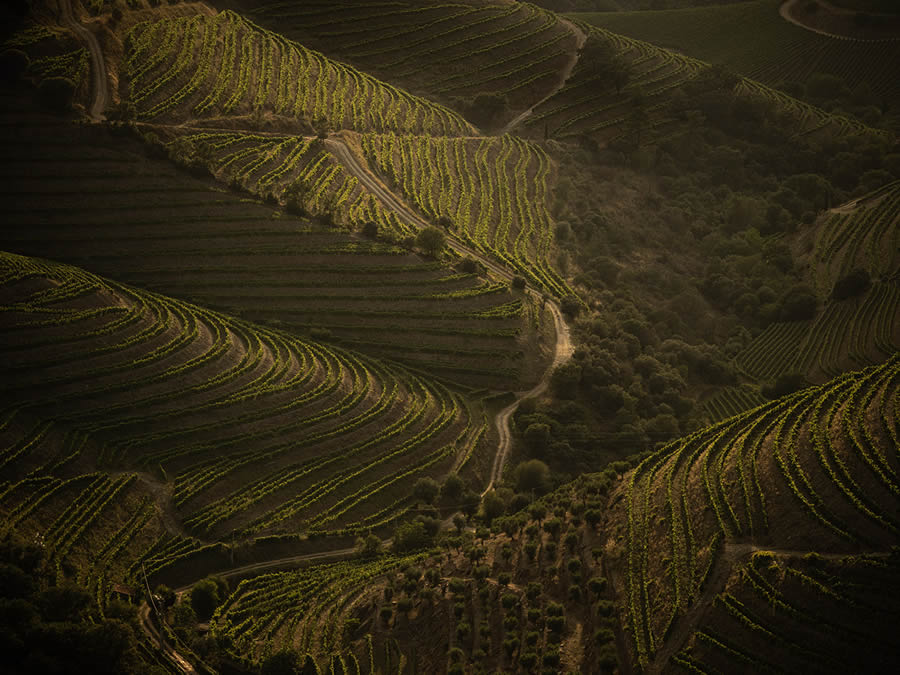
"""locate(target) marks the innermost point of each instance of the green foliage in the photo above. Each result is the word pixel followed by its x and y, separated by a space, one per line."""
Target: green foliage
pixel 411 536
pixel 431 240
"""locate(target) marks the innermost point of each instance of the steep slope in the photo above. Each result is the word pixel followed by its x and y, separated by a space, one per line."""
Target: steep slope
pixel 224 66
pixel 250 428
pixel 452 52
pixel 67 193
pixel 779 51
pixel 814 472
pixel 854 269
pixel 645 108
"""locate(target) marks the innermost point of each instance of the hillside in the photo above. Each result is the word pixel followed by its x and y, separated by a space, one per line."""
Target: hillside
pixel 487 60
pixel 812 472
pixel 439 337
pixel 777 524
pixel 203 401
pixel 853 267
pixel 781 54
pixel 258 262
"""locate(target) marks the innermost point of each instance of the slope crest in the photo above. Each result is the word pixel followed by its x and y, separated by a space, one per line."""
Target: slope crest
pixel 252 429
pixel 815 471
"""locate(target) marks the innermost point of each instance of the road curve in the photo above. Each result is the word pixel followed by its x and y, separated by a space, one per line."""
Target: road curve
pixel 787 7
pixel 562 350
pixel 580 39
pixel 98 66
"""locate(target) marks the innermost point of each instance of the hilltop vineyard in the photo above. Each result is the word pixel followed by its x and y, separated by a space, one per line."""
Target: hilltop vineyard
pixel 493 191
pixel 448 50
pixel 201 66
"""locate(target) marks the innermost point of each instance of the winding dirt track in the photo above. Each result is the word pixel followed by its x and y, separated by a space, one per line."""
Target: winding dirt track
pixel 98 68
pixel 580 39
pixel 562 351
pixel 563 348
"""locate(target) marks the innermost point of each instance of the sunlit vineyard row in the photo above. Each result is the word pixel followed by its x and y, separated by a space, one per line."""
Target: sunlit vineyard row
pixel 448 49
pixel 493 191
pixel 211 399
pixel 197 67
pixel 821 460
pixel 289 272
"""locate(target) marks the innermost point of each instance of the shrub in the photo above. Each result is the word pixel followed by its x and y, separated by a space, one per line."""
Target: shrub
pixel 431 240
pixel 13 64
pixel 55 93
pixel 851 285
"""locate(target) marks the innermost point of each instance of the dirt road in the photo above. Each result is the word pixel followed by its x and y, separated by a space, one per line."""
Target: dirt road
pixel 98 66
pixel 580 39
pixel 563 348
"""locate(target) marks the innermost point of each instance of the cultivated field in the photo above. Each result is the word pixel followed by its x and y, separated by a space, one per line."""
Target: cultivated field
pixel 815 471
pixel 448 51
pixel 779 51
pixel 249 429
pixel 860 330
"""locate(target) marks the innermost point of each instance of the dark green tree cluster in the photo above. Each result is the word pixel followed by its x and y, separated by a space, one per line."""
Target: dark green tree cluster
pixel 50 628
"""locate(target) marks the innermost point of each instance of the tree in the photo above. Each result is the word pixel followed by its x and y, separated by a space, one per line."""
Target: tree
pixel 492 505
pixel 570 305
pixel 532 475
pixel 601 62
pixel 205 598
pixel 518 283
pixel 537 437
pixel 411 536
pixel 426 490
pixel 452 489
pixel 56 93
pixel 368 546
pixel 370 230
pixel 284 662
pixel 431 240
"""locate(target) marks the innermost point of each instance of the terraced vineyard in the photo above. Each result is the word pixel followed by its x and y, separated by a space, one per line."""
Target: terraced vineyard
pixel 589 104
pixel 813 471
pixel 290 82
pixel 860 330
pixel 779 52
pixel 786 612
pixel 253 426
pixel 492 190
pixel 444 50
pixel 287 272
pixel 308 610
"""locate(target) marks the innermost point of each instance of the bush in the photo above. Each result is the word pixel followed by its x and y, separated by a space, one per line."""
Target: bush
pixel 518 283
pixel 56 93
pixel 205 598
pixel 431 240
pixel 13 64
pixel 851 285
